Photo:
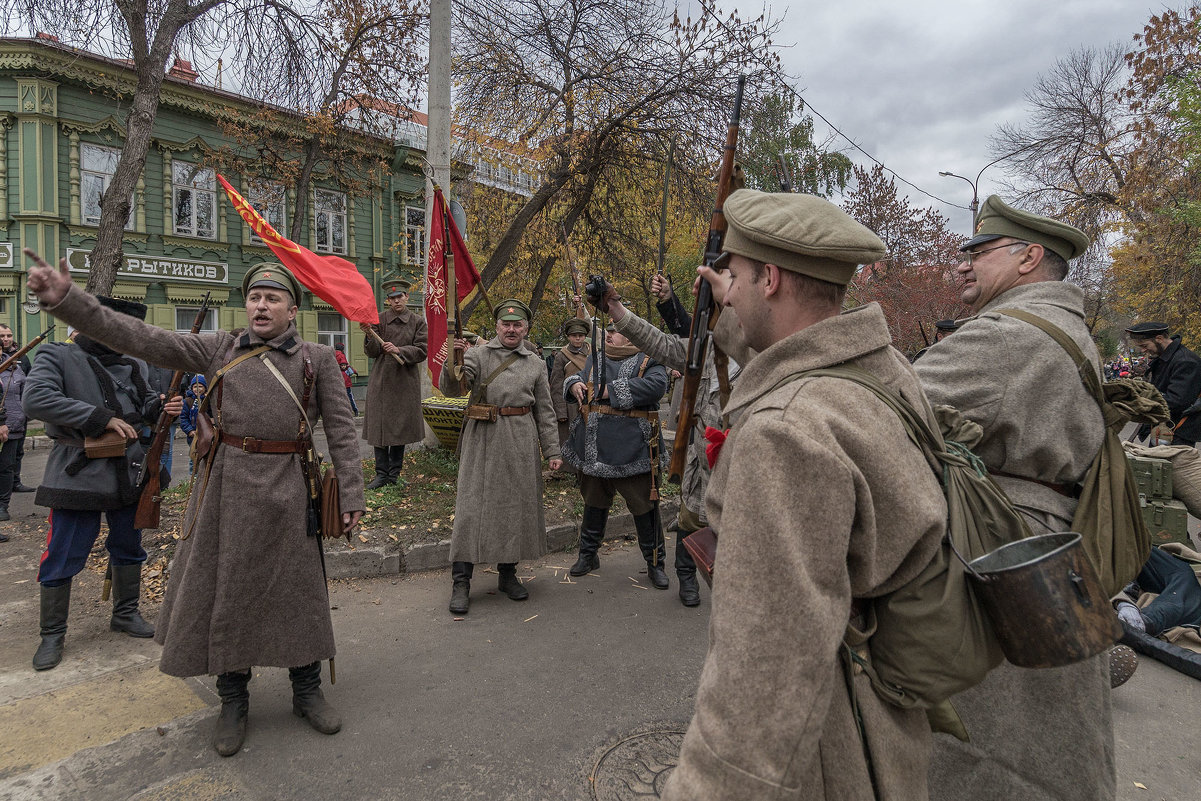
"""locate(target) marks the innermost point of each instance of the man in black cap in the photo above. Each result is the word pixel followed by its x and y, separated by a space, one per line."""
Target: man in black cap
pixel 1176 372
pixel 81 391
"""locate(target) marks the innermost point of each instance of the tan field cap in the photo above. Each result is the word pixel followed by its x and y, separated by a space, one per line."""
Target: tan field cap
pixel 802 233
pixel 998 219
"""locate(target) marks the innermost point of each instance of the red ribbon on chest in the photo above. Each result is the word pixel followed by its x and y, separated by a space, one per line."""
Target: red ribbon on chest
pixel 716 438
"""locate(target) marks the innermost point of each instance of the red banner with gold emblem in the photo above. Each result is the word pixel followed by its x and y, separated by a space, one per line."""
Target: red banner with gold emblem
pixel 335 280
pixel 466 281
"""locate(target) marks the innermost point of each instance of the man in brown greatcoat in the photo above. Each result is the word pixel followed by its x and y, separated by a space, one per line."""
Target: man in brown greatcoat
pixel 1037 735
pixel 569 360
pixel 247 586
pixel 393 417
pixel 818 497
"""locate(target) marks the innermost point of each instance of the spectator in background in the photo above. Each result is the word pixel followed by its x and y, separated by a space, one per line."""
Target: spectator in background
pixel 12 432
pixel 9 346
pixel 1176 372
pixel 191 408
pixel 348 375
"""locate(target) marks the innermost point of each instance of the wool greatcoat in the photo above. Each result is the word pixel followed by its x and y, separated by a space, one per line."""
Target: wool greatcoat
pixel 818 497
pixel 247 585
pixel 1045 734
pixel 393 415
pixel 498 508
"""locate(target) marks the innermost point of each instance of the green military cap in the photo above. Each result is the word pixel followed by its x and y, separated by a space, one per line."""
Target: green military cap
pixel 1147 330
pixel 576 326
pixel 397 286
pixel 511 309
pixel 997 219
pixel 271 274
pixel 802 233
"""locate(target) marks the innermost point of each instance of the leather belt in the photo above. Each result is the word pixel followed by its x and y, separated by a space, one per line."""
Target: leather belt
pixel 255 445
pixel 1063 489
pixel 513 411
pixel 587 408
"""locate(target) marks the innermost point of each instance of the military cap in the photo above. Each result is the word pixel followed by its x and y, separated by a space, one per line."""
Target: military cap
pixel 576 326
pixel 397 286
pixel 471 336
pixel 272 274
pixel 996 219
pixel 130 307
pixel 511 309
pixel 1147 330
pixel 946 325
pixel 802 233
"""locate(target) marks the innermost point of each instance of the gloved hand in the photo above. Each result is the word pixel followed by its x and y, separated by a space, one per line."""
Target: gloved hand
pixel 1129 614
pixel 600 296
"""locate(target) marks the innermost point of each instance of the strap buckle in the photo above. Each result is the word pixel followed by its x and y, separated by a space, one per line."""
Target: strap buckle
pixel 246 444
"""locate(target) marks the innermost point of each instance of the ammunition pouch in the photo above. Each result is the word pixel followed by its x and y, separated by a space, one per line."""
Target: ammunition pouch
pixel 484 412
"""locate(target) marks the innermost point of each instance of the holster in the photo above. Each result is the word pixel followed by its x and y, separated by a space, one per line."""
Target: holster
pixel 203 436
pixel 484 412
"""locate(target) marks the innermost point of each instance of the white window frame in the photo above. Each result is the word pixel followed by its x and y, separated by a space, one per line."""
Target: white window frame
pixel 327 335
pixel 269 199
pixel 89 175
pixel 187 316
pixel 200 186
pixel 327 212
pixel 415 242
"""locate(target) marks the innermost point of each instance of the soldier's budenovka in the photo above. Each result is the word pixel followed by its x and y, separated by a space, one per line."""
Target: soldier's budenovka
pixel 499 516
pixel 1035 734
pixel 247 586
pixel 611 447
pixel 393 416
pixel 818 497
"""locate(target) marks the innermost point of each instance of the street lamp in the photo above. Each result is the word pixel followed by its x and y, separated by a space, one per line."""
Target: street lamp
pixel 975 206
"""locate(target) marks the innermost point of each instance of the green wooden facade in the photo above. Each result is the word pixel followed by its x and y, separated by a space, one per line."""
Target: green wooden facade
pixel 63 111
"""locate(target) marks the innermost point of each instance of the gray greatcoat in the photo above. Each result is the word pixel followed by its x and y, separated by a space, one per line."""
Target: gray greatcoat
pixel 614 446
pixel 64 392
pixel 393 415
pixel 498 509
pixel 1036 735
pixel 247 586
pixel 818 497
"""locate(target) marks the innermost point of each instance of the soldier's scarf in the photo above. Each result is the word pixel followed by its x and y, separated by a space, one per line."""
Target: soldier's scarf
pixel 577 356
pixel 619 352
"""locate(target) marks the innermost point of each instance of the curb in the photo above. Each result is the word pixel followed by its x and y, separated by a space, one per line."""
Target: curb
pixel 385 561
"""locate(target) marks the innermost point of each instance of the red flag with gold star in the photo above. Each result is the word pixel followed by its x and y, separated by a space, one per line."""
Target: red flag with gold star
pixel 333 279
pixel 467 279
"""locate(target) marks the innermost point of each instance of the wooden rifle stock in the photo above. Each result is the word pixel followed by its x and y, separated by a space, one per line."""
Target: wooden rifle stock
pixel 150 498
pixel 574 267
pixel 705 315
pixel 33 343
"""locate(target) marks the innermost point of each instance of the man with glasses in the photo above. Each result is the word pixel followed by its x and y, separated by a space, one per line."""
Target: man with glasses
pixel 1036 735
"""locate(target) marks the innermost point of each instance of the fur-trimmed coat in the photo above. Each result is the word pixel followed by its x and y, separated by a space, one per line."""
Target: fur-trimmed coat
pixel 247 586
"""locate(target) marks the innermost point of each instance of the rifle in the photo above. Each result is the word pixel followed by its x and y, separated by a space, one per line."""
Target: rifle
pixel 922 328
pixel 33 343
pixel 663 214
pixel 706 313
pixel 783 174
pixel 574 268
pixel 150 476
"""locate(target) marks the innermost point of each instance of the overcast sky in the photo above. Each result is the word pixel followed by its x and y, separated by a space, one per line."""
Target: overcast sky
pixel 921 85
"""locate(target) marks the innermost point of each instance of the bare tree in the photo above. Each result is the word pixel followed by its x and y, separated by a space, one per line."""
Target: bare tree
pixel 595 89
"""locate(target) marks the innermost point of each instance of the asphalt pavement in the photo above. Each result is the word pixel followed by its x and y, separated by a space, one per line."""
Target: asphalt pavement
pixel 581 692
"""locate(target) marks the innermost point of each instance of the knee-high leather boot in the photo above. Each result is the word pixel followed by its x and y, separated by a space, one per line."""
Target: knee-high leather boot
pixel 592 533
pixel 650 541
pixel 55 603
pixel 231 722
pixel 382 469
pixel 460 591
pixel 509 584
pixel 690 593
pixel 127 587
pixel 308 702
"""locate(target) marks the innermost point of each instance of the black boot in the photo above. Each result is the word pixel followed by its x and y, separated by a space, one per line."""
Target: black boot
pixel 396 460
pixel 460 591
pixel 235 703
pixel 509 584
pixel 383 468
pixel 55 603
pixel 127 587
pixel 650 540
pixel 690 592
pixel 309 703
pixel 592 533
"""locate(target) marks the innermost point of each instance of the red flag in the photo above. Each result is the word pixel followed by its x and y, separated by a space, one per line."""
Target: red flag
pixel 466 281
pixel 335 280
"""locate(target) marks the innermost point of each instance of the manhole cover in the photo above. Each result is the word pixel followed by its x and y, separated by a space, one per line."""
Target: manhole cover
pixel 636 767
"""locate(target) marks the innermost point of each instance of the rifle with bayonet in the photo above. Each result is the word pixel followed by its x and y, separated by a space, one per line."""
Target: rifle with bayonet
pixel 707 311
pixel 573 267
pixel 33 343
pixel 150 478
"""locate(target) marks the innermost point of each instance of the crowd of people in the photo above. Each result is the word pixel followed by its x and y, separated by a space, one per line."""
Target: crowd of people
pixel 820 499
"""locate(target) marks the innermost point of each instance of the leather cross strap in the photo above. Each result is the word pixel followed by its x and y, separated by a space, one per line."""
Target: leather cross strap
pixel 256 445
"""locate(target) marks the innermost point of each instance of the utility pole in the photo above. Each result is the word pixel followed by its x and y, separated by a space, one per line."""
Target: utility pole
pixel 437 146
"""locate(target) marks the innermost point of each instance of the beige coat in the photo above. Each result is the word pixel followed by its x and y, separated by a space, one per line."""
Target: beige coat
pixel 393 415
pixel 498 509
pixel 246 587
pixel 818 497
pixel 1037 735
